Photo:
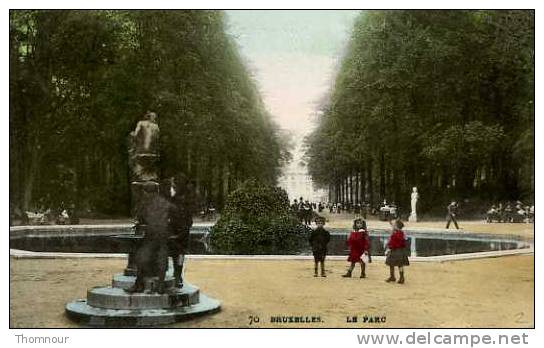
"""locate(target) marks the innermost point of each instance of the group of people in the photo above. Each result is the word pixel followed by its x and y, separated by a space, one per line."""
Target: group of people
pixel 511 212
pixel 359 249
pixel 386 211
pixel 305 210
pixel 45 216
pixel 208 212
pixel 358 208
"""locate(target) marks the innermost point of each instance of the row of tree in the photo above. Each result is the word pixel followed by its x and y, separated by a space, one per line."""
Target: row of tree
pixel 441 100
pixel 80 80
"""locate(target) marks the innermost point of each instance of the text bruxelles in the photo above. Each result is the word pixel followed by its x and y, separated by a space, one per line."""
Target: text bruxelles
pixel 294 319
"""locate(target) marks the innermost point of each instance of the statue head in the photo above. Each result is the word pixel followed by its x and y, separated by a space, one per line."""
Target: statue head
pixel 414 189
pixel 151 116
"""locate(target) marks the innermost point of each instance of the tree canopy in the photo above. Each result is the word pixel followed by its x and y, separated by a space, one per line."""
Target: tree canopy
pixel 441 100
pixel 80 80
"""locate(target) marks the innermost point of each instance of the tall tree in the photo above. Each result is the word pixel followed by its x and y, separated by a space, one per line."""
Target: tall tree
pixel 80 80
pixel 442 100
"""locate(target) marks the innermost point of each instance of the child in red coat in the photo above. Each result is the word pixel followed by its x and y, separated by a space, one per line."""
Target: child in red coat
pixel 359 245
pixel 395 253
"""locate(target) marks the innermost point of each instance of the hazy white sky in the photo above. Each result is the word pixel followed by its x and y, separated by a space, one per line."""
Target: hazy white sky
pixel 292 55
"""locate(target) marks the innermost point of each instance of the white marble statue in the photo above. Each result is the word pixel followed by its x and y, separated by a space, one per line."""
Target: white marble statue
pixel 414 199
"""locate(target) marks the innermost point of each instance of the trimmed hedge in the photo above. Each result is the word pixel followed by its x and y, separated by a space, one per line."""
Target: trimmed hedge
pixel 257 220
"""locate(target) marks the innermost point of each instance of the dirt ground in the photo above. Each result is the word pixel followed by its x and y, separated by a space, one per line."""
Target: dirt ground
pixel 493 292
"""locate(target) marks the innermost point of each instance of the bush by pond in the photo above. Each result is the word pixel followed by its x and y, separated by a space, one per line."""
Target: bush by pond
pixel 257 219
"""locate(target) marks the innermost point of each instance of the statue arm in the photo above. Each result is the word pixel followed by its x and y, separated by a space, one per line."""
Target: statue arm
pixel 138 128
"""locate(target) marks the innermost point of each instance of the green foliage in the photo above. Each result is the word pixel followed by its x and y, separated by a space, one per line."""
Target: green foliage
pixel 464 144
pixel 80 80
pixel 255 200
pixel 257 220
pixel 441 100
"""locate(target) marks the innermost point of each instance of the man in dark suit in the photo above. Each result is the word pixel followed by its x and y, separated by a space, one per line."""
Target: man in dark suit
pixel 452 213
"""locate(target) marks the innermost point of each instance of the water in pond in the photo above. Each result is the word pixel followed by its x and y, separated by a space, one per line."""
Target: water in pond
pixel 419 244
pixel 426 245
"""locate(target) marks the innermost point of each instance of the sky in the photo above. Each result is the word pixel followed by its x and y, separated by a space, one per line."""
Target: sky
pixel 292 56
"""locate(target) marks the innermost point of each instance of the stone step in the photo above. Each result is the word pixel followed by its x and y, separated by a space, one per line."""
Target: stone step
pixel 117 298
pixel 80 311
pixel 124 282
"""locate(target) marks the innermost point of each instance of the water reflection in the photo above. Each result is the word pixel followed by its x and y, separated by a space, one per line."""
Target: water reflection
pixel 419 244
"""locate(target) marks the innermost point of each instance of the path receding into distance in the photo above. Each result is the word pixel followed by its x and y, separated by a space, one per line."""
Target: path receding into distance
pixel 292 56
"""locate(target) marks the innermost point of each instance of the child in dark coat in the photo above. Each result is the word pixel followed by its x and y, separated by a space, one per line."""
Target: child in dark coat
pixel 359 245
pixel 396 255
pixel 319 238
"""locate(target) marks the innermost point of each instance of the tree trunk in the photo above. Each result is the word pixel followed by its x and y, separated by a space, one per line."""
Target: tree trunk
pixel 370 182
pixel 382 176
pixel 363 185
pixel 350 186
pixel 395 186
pixel 346 191
pixel 341 191
pixel 30 177
pixel 357 186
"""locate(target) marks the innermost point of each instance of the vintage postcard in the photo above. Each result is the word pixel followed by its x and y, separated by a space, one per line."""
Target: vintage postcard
pixel 361 169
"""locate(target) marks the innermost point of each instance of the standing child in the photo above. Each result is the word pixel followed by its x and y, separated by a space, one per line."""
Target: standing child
pixel 319 238
pixel 395 253
pixel 359 244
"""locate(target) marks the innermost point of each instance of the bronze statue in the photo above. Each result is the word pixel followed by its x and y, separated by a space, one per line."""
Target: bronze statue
pixel 144 149
pixel 185 201
pixel 151 258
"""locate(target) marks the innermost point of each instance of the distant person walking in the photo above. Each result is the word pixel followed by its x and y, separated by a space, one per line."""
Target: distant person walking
pixel 319 238
pixel 452 214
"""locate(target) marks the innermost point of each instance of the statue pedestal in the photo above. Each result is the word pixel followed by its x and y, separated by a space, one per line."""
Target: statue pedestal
pixel 112 306
pixel 412 217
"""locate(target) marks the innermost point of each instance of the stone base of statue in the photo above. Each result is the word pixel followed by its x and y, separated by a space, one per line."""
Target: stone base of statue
pixel 144 167
pixel 412 217
pixel 112 306
pixel 142 192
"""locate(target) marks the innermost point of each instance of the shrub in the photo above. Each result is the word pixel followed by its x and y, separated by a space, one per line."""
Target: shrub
pixel 257 220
